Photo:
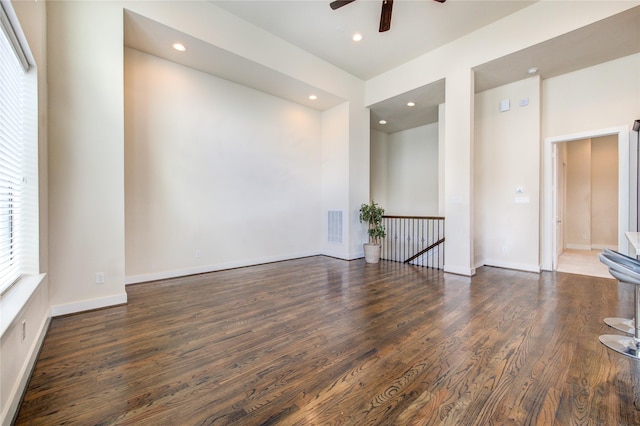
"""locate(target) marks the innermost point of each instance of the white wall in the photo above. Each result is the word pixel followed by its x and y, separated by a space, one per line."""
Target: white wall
pixel 85 176
pixel 211 24
pixel 458 171
pixel 87 125
pixel 216 26
pixel 380 168
pixel 405 172
pixel 441 159
pixel 604 192
pixel 87 191
pixel 335 175
pixel 455 62
pixel 598 97
pixel 578 209
pixel 82 153
pixel 359 172
pixel 86 155
pixel 506 159
pixel 413 171
pixel 217 174
pixel 527 27
pixel 589 101
pixel 591 219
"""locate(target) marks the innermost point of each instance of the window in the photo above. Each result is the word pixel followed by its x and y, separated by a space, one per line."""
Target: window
pixel 15 147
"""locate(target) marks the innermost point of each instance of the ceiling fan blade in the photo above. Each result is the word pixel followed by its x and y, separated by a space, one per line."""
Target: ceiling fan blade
pixel 440 1
pixel 385 16
pixel 339 3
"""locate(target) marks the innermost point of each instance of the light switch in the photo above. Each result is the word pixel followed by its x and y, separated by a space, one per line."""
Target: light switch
pixel 505 105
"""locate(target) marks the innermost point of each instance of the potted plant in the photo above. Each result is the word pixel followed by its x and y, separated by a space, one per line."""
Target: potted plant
pixel 372 215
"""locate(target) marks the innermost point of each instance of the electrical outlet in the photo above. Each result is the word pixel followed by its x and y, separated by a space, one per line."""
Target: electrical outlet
pixel 99 277
pixel 197 253
pixel 24 330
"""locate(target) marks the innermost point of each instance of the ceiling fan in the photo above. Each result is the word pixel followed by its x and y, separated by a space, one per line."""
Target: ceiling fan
pixel 385 16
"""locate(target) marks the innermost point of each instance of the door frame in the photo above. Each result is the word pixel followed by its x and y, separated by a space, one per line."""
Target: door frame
pixel 559 188
pixel 549 240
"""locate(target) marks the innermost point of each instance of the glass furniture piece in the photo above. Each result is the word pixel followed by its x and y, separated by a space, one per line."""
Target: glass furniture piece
pixel 626 270
pixel 626 325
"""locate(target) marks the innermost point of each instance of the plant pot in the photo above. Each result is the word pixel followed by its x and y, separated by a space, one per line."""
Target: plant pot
pixel 372 253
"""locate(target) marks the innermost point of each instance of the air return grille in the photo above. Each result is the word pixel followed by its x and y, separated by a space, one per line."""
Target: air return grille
pixel 334 228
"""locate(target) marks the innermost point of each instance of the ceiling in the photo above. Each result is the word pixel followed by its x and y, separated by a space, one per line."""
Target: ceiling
pixel 154 38
pixel 418 26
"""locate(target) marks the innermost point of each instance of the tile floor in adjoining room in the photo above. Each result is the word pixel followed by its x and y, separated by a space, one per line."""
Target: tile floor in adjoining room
pixel 582 262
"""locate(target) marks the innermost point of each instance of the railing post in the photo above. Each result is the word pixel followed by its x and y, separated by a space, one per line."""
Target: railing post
pixel 414 239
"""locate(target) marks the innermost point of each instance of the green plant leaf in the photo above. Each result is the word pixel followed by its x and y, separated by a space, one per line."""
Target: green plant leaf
pixel 372 215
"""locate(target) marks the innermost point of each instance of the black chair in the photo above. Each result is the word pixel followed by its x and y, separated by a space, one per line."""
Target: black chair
pixel 626 271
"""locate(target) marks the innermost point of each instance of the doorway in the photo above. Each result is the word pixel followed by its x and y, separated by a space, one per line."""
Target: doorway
pixel 586 204
pixel 553 209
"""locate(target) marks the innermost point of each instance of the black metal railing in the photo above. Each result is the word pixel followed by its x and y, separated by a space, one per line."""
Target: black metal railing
pixel 417 240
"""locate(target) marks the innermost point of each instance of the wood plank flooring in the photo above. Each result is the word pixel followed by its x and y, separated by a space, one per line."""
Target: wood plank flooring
pixel 321 341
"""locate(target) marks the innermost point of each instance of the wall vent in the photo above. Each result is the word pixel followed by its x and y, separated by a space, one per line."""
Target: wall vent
pixel 334 228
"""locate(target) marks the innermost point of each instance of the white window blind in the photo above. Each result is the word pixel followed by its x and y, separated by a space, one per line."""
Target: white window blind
pixel 12 113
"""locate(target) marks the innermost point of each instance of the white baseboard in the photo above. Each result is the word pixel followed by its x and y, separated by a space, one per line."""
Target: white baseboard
pixel 579 246
pixel 154 276
pixel 467 272
pixel 87 305
pixel 356 255
pixel 604 246
pixel 342 255
pixel 511 265
pixel 11 410
pixel 592 246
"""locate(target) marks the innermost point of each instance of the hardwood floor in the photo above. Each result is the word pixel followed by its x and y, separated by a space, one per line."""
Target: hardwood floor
pixel 319 341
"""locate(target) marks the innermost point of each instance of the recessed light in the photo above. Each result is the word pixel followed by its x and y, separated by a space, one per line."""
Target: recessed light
pixel 411 104
pixel 357 37
pixel 532 70
pixel 382 122
pixel 313 97
pixel 179 47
